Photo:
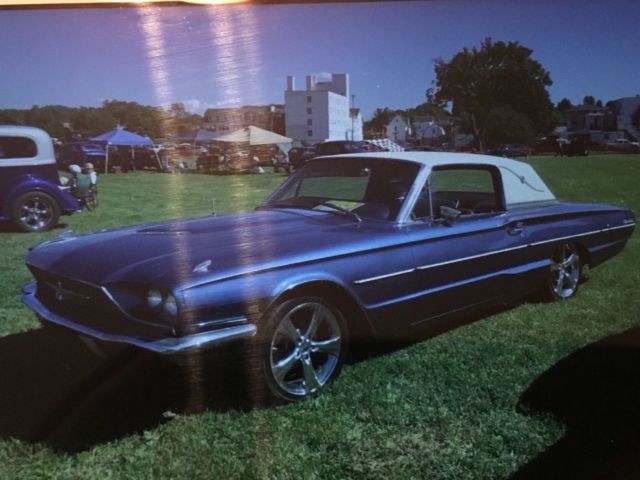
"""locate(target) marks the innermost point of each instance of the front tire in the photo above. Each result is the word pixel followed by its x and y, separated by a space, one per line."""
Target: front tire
pixel 35 212
pixel 303 347
pixel 564 273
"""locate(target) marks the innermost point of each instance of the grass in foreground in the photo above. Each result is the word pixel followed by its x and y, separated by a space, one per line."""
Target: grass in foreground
pixel 442 409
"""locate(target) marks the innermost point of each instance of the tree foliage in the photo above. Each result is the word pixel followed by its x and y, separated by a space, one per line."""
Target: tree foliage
pixel 183 121
pixel 91 121
pixel 68 123
pixel 377 126
pixel 481 82
pixel 506 125
pixel 137 118
pixel 564 105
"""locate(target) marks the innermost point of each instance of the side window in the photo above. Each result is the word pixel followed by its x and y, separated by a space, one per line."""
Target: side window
pixel 17 147
pixel 468 189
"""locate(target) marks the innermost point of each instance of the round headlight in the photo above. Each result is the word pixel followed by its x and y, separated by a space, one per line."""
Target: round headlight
pixel 154 298
pixel 170 305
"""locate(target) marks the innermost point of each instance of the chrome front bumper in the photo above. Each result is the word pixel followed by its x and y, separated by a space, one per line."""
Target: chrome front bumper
pixel 167 346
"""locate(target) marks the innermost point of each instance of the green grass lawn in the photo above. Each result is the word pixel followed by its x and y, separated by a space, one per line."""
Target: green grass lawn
pixel 444 408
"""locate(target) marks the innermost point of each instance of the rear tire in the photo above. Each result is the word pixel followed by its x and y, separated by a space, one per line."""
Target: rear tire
pixel 35 212
pixel 564 273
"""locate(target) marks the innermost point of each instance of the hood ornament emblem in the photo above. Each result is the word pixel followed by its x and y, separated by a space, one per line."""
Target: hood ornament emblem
pixel 202 267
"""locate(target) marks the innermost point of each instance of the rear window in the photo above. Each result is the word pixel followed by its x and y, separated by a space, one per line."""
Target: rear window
pixel 466 180
pixel 17 147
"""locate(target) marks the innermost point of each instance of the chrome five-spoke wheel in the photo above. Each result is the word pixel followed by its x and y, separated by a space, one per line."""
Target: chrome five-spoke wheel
pixel 307 347
pixel 35 212
pixel 565 272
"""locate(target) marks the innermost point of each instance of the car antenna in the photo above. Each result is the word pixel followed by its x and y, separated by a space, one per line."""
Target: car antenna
pixel 213 207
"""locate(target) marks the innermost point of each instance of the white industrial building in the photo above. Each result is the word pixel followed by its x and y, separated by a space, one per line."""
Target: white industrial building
pixel 321 111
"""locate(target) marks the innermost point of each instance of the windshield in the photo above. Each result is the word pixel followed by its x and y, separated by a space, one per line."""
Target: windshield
pixel 366 187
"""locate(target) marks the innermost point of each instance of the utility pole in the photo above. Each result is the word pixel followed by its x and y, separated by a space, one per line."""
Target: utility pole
pixel 353 102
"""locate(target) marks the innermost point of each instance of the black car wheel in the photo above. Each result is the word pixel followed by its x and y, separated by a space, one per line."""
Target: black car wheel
pixel 564 273
pixel 35 212
pixel 303 347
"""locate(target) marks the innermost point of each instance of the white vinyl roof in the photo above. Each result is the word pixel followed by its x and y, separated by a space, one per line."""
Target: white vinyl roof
pixel 520 181
pixel 44 145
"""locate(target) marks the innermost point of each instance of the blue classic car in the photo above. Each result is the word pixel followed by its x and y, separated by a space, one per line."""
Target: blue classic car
pixel 349 248
pixel 30 191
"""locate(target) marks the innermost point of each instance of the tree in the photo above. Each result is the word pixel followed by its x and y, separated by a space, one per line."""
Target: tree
pixel 182 120
pixel 505 125
pixel 91 121
pixel 588 100
pixel 564 105
pixel 478 82
pixel 428 109
pixel 138 118
pixel 377 126
pixel 50 118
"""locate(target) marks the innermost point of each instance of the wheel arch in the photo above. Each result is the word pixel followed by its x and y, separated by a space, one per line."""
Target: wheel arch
pixel 28 183
pixel 358 322
pixel 583 251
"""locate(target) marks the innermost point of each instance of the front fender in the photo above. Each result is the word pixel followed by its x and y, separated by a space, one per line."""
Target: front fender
pixel 253 295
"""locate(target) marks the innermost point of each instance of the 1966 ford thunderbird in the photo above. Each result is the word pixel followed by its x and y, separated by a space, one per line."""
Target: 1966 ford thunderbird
pixel 351 246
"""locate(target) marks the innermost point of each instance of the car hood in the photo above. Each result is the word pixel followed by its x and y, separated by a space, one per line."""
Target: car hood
pixel 182 253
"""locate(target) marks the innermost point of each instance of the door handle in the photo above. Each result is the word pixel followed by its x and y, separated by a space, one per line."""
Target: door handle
pixel 515 229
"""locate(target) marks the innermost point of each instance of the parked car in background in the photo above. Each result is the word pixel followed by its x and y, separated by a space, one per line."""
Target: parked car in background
pixel 576 147
pixel 30 191
pixel 146 159
pixel 79 153
pixel 511 151
pixel 350 248
pixel 335 147
pixel 211 162
pixel 298 156
pixel 624 145
pixel 422 148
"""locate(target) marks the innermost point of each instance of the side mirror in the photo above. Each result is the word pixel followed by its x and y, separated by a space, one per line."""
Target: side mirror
pixel 449 214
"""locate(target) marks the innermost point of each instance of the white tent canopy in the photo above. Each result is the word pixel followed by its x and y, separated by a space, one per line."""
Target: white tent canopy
pixel 256 136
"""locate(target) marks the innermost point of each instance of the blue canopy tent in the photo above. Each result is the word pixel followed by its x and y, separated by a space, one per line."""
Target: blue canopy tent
pixel 121 137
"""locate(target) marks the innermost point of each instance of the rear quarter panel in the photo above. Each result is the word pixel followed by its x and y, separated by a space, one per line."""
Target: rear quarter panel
pixel 599 232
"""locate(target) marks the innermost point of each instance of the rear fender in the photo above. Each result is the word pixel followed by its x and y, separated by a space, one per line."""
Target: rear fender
pixel 29 183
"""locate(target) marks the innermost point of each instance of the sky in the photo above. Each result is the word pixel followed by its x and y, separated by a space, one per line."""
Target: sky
pixel 241 55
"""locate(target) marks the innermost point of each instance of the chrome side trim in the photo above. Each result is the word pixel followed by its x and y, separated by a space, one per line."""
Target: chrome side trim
pixel 466 281
pixel 559 239
pixel 471 257
pixel 381 277
pixel 593 232
pixel 166 346
pixel 626 225
pixel 480 255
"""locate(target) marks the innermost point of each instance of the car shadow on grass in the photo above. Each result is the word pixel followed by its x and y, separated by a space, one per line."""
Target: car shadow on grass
pixel 10 227
pixel 595 392
pixel 67 392
pixel 70 392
